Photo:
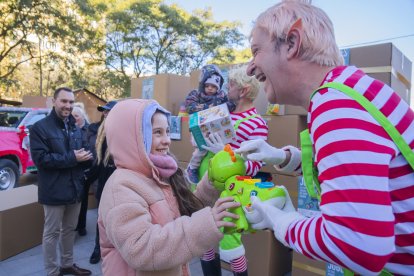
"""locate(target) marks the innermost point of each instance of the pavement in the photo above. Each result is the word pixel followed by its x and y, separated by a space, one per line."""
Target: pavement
pixel 30 262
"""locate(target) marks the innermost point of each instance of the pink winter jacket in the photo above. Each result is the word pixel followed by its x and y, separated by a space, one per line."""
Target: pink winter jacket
pixel 141 230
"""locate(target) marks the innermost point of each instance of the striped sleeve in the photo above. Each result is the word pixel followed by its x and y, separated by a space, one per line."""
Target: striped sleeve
pixel 353 158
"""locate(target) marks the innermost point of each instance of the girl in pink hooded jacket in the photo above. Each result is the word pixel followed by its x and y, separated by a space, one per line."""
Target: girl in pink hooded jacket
pixel 149 220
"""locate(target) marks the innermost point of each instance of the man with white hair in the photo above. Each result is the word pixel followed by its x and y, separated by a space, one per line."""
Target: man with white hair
pixel 354 156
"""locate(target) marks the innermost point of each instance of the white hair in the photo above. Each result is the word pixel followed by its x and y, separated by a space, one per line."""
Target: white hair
pixel 79 108
pixel 318 43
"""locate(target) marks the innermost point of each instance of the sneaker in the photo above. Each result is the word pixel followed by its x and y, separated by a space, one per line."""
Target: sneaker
pixel 192 175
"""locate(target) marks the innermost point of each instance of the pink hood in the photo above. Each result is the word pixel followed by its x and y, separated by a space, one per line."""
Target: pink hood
pixel 125 135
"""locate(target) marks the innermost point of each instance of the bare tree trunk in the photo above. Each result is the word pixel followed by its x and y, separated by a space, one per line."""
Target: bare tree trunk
pixel 40 68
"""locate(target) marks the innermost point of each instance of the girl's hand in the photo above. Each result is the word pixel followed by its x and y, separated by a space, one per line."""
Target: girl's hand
pixel 220 212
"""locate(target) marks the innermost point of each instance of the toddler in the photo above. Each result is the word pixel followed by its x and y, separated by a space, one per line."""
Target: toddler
pixel 208 94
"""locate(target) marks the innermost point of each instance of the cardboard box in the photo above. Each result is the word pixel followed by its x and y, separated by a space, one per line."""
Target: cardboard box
pixel 265 255
pixel 263 106
pixel 92 202
pixel 90 102
pixel 284 131
pixel 182 165
pixel 21 220
pixel 213 120
pixel 304 266
pixel 195 79
pixel 168 90
pixel 383 62
pixel 183 149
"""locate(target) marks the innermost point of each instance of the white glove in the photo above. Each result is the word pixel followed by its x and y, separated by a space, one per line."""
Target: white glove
pixel 260 150
pixel 263 215
pixel 214 143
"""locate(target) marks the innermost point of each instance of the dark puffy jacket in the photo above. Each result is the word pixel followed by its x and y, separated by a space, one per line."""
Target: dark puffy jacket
pixel 91 134
pixel 61 177
pixel 101 172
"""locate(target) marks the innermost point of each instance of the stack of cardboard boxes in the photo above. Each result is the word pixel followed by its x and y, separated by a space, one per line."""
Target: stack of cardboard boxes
pixel 385 63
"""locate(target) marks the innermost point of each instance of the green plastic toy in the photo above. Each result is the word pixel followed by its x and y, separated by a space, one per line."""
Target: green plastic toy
pixel 226 171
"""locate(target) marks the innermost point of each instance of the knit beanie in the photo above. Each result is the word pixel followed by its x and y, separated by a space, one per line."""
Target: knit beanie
pixel 213 80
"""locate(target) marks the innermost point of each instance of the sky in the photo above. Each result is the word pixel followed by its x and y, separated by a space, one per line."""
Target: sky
pixel 356 22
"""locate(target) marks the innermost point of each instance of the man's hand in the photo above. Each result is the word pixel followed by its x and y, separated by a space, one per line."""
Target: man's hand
pixel 260 150
pixel 214 143
pixel 83 155
pixel 263 215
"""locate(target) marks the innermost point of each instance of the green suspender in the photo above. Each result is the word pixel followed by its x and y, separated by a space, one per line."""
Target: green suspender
pixel 309 170
pixel 310 173
pixel 239 121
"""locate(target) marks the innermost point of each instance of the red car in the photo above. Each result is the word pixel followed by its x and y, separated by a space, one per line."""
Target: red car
pixel 14 143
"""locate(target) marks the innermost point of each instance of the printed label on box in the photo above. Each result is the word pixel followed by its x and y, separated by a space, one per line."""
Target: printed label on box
pixel 175 127
pixel 345 54
pixel 148 88
pixel 334 270
pixel 307 206
pixel 213 120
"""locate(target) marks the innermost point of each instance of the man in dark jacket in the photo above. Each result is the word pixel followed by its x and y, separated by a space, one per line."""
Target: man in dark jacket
pixel 60 155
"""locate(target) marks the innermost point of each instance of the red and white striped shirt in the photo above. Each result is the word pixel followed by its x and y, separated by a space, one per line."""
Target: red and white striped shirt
pixel 250 129
pixel 367 202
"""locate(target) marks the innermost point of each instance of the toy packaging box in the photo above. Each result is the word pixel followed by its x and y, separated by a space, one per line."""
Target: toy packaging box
pixel 213 120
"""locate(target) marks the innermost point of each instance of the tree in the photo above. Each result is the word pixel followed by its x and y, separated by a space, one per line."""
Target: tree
pixel 101 44
pixel 28 27
pixel 237 57
pixel 152 37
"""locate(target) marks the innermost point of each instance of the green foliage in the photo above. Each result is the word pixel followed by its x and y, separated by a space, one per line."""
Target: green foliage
pixel 232 56
pixel 151 37
pixel 101 44
pixel 39 33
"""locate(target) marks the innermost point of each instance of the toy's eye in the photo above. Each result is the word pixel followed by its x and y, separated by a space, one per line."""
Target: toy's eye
pixel 253 193
pixel 231 187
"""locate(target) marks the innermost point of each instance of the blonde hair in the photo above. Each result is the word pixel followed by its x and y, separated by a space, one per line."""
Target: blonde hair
pixel 80 108
pixel 100 138
pixel 239 76
pixel 318 43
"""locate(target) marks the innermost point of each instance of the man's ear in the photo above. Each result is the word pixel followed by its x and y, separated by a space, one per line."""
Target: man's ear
pixel 294 39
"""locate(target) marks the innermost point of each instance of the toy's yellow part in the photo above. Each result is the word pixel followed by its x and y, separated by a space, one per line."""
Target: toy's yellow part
pixel 252 181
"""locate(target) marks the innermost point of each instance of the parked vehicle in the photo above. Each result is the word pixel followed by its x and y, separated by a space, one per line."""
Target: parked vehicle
pixel 15 156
